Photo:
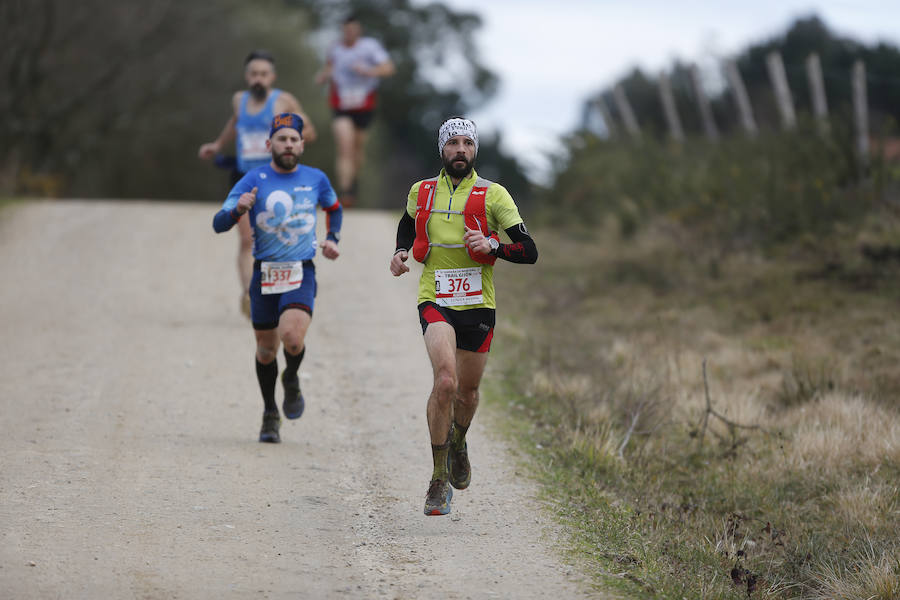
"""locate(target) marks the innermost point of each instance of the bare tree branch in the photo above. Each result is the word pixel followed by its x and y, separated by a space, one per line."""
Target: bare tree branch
pixel 634 421
pixel 710 411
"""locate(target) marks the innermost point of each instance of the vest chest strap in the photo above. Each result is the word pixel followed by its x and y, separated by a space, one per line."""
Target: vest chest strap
pixel 474 215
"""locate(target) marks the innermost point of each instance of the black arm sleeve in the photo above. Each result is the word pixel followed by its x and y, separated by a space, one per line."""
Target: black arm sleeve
pixel 522 250
pixel 406 232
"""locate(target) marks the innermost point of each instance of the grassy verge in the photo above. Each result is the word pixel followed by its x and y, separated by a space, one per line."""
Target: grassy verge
pixel 771 473
pixel 7 201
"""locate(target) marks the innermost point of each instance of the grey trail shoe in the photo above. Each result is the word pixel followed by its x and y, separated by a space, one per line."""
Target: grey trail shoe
pixel 458 464
pixel 437 500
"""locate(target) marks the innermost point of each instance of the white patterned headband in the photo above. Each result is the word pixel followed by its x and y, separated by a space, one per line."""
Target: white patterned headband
pixel 454 127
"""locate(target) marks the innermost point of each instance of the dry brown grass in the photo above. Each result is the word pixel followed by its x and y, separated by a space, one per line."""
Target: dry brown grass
pixel 868 504
pixel 615 340
pixel 840 430
pixel 871 575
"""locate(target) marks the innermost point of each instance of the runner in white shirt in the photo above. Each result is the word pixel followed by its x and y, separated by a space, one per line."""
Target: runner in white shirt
pixel 354 67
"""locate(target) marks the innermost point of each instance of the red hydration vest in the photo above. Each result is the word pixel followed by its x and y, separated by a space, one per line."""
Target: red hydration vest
pixel 474 215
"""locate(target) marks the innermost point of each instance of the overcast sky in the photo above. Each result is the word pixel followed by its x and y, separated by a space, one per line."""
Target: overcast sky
pixel 551 55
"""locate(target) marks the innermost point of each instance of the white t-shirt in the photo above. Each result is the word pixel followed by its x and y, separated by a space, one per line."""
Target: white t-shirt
pixel 350 90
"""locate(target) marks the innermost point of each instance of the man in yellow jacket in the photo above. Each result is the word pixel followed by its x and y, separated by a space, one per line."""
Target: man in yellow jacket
pixel 451 225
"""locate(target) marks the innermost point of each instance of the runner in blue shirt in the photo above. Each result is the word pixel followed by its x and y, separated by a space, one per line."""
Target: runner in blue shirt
pixel 280 200
pixel 251 114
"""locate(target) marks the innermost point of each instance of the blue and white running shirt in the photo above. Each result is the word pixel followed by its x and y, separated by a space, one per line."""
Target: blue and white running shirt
pixel 284 215
pixel 252 131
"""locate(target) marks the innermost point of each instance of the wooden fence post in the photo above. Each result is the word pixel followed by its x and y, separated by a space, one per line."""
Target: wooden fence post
pixel 860 113
pixel 782 91
pixel 624 108
pixel 817 91
pixel 706 116
pixel 745 111
pixel 606 115
pixel 669 108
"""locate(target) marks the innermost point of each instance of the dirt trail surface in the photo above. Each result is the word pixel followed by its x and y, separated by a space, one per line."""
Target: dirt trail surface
pixel 129 411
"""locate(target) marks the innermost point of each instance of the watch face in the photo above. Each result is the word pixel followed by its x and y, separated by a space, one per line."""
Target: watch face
pixel 494 243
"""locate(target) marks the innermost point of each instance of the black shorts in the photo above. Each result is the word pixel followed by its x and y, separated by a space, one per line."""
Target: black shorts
pixel 361 118
pixel 474 327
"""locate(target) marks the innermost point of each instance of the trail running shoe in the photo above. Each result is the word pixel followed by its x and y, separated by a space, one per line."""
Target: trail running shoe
pixel 437 500
pixel 458 464
pixel 293 400
pixel 271 422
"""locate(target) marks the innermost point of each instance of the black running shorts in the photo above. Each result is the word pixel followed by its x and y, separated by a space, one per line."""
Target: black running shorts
pixel 474 327
pixel 361 118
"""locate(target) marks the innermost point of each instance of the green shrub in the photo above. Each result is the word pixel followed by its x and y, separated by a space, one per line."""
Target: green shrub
pixel 735 194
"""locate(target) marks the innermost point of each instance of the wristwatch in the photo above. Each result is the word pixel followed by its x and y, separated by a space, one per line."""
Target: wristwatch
pixel 495 245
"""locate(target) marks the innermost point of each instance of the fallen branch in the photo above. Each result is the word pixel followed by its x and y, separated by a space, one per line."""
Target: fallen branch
pixel 732 426
pixel 634 421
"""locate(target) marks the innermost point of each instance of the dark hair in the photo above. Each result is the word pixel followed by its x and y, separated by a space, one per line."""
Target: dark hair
pixel 351 18
pixel 261 55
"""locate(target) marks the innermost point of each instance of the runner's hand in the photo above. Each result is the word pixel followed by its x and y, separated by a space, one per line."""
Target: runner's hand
pixel 322 76
pixel 398 267
pixel 246 201
pixel 475 241
pixel 330 250
pixel 208 151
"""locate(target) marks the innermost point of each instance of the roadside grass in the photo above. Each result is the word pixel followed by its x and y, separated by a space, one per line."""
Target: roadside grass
pixel 792 487
pixel 7 201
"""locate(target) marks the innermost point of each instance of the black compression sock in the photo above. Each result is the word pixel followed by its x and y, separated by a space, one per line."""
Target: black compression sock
pixel 267 375
pixel 292 363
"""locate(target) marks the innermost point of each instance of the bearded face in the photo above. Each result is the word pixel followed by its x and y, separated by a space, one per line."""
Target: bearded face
pixel 258 91
pixel 458 157
pixel 260 76
pixel 286 160
pixel 286 146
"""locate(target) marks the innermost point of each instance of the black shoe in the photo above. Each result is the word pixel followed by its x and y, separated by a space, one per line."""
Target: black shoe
pixel 271 422
pixel 293 400
pixel 437 499
pixel 458 464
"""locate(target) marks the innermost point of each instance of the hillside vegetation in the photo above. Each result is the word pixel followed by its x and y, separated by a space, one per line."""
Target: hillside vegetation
pixel 705 363
pixel 113 99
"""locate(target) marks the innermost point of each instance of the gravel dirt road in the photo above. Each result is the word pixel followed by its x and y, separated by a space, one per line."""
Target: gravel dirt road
pixel 129 413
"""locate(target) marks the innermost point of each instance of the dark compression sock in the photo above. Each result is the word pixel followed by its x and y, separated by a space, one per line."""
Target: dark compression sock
pixel 292 363
pixel 267 375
